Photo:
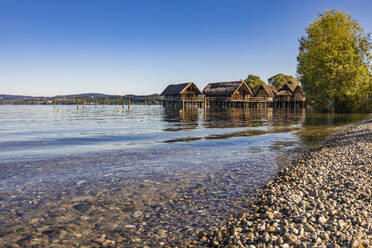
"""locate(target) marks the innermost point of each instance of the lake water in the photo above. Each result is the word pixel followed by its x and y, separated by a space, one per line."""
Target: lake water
pixel 37 132
pixel 67 176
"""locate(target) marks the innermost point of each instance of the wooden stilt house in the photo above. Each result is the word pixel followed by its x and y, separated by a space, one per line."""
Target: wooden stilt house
pixel 289 87
pixel 273 89
pixel 176 95
pixel 227 91
pixel 179 92
pixel 266 91
pixel 285 93
pixel 298 94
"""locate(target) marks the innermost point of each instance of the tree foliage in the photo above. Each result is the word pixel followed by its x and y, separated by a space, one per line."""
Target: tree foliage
pixel 334 63
pixel 254 81
pixel 281 79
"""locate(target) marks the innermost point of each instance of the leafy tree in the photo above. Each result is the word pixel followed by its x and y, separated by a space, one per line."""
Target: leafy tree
pixel 254 81
pixel 281 79
pixel 334 63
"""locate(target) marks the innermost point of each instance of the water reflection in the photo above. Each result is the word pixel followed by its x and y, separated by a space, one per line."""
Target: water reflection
pixel 310 128
pixel 317 126
pixel 233 117
pixel 180 119
pixel 230 118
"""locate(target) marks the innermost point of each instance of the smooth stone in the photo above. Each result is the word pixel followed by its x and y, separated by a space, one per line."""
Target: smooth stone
pixel 81 182
pixel 82 207
pixel 269 215
pixel 137 214
pixel 130 226
pixel 267 237
pixel 322 220
pixel 309 227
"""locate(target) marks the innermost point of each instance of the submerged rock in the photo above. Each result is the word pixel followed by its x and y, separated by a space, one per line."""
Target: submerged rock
pixel 82 207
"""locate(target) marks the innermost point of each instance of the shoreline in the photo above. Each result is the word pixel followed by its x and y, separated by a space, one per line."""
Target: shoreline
pixel 320 199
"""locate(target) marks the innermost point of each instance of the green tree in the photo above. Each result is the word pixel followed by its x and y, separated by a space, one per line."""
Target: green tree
pixel 334 63
pixel 281 79
pixel 254 81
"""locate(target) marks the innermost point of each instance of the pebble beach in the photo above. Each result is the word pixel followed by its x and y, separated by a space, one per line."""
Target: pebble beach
pixel 320 199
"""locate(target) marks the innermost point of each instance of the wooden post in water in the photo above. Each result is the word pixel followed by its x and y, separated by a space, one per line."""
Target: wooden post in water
pixel 96 103
pixel 83 103
pixel 128 103
pixel 122 103
pixel 77 105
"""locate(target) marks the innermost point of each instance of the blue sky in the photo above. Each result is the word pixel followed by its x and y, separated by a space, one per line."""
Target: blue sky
pixel 120 47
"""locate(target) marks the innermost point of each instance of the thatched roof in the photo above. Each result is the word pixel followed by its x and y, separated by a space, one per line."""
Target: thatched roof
pixel 288 86
pixel 273 89
pixel 268 89
pixel 177 89
pixel 224 88
pixel 284 93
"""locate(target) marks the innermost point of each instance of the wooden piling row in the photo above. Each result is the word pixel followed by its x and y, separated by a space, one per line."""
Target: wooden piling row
pixel 250 103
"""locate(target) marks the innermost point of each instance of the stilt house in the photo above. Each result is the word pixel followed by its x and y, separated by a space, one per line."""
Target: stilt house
pixel 285 93
pixel 268 91
pixel 273 89
pixel 299 94
pixel 179 92
pixel 227 91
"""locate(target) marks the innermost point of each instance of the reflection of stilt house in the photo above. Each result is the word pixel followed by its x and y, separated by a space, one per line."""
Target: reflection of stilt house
pixel 187 119
pixel 181 94
pixel 227 93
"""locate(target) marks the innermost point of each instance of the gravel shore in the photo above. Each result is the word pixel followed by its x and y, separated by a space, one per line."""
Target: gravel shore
pixel 321 199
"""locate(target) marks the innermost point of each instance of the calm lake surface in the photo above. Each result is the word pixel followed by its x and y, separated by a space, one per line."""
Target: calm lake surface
pixel 144 175
pixel 39 132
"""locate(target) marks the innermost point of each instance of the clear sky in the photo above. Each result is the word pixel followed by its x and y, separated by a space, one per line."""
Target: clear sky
pixel 119 47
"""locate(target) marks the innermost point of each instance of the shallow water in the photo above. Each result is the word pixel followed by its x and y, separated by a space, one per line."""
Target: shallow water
pixel 72 175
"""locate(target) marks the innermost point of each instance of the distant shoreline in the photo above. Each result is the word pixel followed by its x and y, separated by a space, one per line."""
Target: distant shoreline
pixel 85 98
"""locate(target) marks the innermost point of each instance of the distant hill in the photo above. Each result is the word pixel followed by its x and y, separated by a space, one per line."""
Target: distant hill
pixel 87 95
pixel 83 95
pixel 142 96
pixel 13 97
pixel 106 96
pixel 71 99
